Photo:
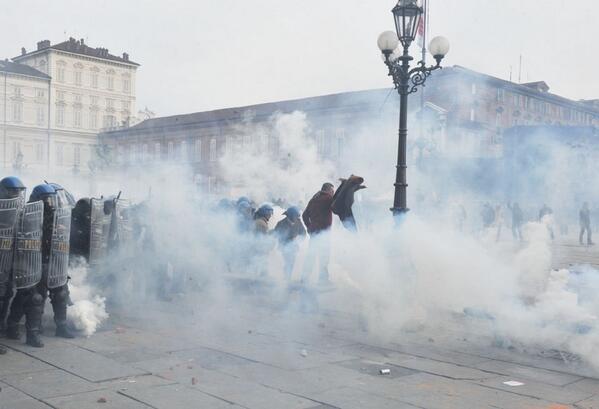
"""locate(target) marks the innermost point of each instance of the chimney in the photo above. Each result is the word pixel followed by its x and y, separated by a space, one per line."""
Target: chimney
pixel 23 51
pixel 43 44
pixel 125 56
pixel 82 41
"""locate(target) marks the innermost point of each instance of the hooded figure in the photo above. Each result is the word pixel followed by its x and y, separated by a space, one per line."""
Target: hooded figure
pixel 289 231
pixel 343 200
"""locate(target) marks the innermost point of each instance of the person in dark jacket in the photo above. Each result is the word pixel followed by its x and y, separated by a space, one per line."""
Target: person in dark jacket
pixel 343 200
pixel 585 224
pixel 289 232
pixel 318 218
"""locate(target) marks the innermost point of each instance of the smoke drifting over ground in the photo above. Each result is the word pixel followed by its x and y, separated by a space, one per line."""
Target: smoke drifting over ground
pixel 427 272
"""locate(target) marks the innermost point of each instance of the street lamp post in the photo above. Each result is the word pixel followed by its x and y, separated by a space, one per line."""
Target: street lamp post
pixel 395 46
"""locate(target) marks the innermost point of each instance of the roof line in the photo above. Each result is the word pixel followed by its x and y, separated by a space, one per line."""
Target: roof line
pixel 51 48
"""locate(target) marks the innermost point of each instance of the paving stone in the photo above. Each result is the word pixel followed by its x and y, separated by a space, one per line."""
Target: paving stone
pixel 586 385
pixel 8 395
pixel 373 368
pixel 130 355
pixel 159 365
pixel 300 382
pixel 537 390
pixel 28 403
pixel 175 397
pixel 86 364
pixel 134 382
pixel 112 400
pixel 435 392
pixel 50 383
pixel 441 368
pixel 527 372
pixel 15 362
pixel 591 403
pixel 350 398
pixel 438 354
pixel 209 358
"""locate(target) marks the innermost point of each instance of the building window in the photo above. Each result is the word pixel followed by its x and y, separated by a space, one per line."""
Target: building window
pixel 500 95
pixel 157 151
pixel 170 147
pixel 126 105
pixel 126 85
pixel 94 81
pixel 77 98
pixel 17 112
pixel 77 78
pixel 197 150
pixel 212 184
pixel 40 93
pixel 144 152
pixel 60 74
pixel 16 149
pixel 110 82
pixel 59 116
pixel 109 103
pixel 77 155
pixel 93 100
pixel 212 150
pixel 41 115
pixel 184 150
pixel 473 89
pixel 17 92
pixel 39 152
pixel 109 121
pixel 60 95
pixel 59 153
pixel 77 118
pixel 93 119
pixel 340 142
pixel 472 114
pixel 320 142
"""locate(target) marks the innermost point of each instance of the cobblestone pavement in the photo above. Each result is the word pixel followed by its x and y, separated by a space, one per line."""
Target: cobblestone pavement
pixel 265 355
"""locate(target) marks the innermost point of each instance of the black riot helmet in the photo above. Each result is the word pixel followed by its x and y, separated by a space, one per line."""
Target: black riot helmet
pixel 11 187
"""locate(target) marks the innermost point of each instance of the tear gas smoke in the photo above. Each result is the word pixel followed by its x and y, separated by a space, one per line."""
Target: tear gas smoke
pixel 422 273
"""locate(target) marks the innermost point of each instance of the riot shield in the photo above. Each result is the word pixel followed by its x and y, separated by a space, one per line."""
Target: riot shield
pixel 122 218
pixel 27 259
pixel 9 209
pixel 100 224
pixel 59 250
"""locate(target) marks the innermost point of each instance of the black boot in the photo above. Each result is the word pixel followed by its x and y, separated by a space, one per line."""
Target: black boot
pixel 12 331
pixel 34 340
pixel 63 331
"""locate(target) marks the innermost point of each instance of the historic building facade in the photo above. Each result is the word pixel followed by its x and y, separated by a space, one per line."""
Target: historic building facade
pixel 24 104
pixel 462 116
pixel 86 89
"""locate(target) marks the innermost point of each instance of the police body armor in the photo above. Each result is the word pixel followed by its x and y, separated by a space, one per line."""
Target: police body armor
pixel 58 262
pixel 100 225
pixel 27 259
pixel 9 211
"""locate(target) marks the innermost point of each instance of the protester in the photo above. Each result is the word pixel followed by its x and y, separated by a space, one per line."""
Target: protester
pixel 343 200
pixel 289 232
pixel 498 221
pixel 318 218
pixel 517 220
pixel 546 216
pixel 487 215
pixel 585 224
pixel 263 243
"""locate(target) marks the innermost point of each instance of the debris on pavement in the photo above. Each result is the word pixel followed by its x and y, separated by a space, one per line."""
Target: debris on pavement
pixel 194 381
pixel 513 383
pixel 304 353
pixel 102 400
pixel 385 371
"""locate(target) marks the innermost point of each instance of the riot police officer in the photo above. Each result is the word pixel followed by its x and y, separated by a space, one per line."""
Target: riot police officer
pixel 55 254
pixel 26 267
pixel 12 193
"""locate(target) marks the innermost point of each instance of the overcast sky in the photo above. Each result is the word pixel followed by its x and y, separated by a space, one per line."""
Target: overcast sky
pixel 208 54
